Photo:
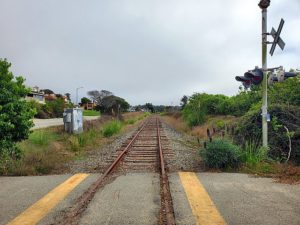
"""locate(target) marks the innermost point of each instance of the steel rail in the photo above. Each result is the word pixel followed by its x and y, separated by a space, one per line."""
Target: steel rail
pixel 84 199
pixel 165 183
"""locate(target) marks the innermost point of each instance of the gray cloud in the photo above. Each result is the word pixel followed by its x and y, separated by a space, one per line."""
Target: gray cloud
pixel 144 51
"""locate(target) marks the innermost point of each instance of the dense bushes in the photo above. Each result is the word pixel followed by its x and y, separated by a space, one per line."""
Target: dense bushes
pixel 200 105
pixel 287 92
pixel 221 153
pixel 249 129
pixel 52 109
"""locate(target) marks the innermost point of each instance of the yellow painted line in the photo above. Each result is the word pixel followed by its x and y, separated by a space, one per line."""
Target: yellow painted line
pixel 202 206
pixel 41 208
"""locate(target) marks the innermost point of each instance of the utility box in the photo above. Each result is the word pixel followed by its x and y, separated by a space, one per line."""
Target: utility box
pixel 73 120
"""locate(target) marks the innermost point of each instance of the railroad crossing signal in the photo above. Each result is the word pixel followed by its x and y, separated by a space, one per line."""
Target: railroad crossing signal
pixel 276 37
pixel 281 76
pixel 251 77
pixel 245 81
pixel 256 76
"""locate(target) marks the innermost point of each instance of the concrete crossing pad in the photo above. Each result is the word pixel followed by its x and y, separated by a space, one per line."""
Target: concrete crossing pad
pixel 18 194
pixel 240 200
pixel 247 200
pixel 132 199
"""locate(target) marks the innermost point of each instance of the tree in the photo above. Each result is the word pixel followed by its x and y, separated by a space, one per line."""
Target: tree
pixel 184 101
pixel 85 100
pixel 159 108
pixel 97 96
pixel 47 91
pixel 138 108
pixel 55 108
pixel 150 107
pixel 15 112
pixel 68 96
pixel 113 105
pixel 59 95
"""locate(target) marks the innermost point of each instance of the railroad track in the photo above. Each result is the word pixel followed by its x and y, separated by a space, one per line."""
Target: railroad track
pixel 146 150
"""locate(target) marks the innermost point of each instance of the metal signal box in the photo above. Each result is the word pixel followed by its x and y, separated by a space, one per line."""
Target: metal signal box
pixel 73 120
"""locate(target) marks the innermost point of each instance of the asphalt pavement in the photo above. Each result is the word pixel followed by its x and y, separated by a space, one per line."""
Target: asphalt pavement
pixel 43 123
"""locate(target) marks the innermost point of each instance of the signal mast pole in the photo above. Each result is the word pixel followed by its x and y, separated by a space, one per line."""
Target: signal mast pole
pixel 264 4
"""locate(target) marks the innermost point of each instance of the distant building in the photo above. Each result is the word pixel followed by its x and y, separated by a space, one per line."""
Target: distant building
pixel 52 97
pixel 36 95
pixel 88 106
pixel 131 109
pixel 43 96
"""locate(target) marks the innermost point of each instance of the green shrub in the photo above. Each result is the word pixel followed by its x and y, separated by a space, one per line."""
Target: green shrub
pixel 130 121
pixel 220 124
pixel 111 128
pixel 221 153
pixel 15 112
pixel 147 114
pixel 193 113
pixel 55 108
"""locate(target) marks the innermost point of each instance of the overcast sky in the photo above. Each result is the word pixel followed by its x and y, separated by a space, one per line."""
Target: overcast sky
pixel 142 50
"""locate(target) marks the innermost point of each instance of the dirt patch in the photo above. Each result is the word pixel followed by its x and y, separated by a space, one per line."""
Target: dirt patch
pixel 281 173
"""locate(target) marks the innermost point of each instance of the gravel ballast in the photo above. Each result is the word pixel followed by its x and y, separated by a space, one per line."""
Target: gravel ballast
pixel 186 151
pixel 186 154
pixel 98 159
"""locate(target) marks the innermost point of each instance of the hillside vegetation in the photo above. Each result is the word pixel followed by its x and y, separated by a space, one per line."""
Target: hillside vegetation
pixel 228 130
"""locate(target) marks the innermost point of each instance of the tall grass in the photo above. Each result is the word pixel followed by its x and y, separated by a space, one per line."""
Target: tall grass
pixel 39 138
pixel 42 137
pixel 111 128
pixel 130 121
pixel 253 153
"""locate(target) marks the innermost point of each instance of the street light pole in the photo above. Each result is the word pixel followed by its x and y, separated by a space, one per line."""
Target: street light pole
pixel 264 4
pixel 77 95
